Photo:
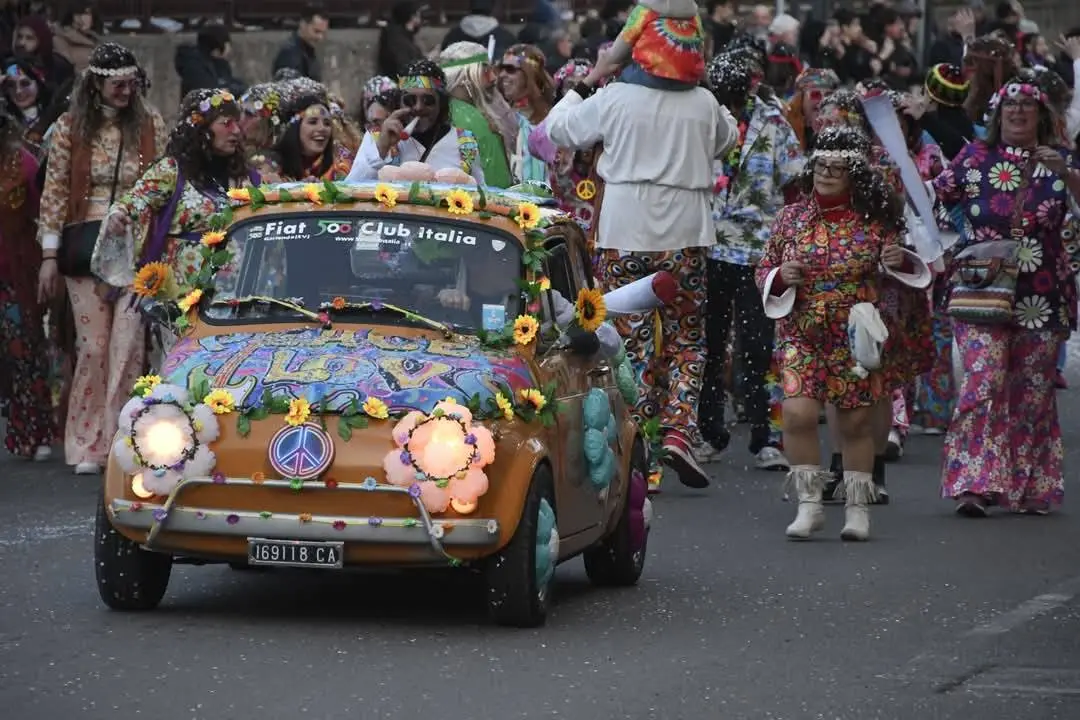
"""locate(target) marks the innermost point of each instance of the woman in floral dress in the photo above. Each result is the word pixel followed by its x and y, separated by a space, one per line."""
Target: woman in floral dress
pixel 31 427
pixel 1004 444
pixel 306 150
pixel 163 217
pixel 826 254
pixel 108 121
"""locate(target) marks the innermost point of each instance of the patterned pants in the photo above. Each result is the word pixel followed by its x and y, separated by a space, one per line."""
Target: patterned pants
pixel 670 381
pixel 109 355
pixel 1004 441
pixel 26 373
pixel 935 390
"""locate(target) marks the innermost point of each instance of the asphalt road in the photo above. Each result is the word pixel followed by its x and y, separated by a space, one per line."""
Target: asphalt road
pixel 937 617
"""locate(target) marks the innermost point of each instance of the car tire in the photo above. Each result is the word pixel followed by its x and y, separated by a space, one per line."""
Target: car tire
pixel 515 596
pixel 614 562
pixel 128 577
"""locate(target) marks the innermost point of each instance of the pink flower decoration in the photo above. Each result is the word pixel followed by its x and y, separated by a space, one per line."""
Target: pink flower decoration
pixel 445 448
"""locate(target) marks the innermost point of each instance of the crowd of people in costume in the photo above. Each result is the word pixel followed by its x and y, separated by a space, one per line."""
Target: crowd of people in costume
pixel 812 284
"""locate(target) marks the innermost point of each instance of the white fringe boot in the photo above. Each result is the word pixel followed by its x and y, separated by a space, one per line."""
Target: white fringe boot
pixel 808 482
pixel 860 495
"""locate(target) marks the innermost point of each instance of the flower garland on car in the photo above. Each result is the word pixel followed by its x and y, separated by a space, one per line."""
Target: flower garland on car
pixel 164 437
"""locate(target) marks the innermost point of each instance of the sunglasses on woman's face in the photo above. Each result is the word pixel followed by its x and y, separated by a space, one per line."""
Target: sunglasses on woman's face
pixel 411 100
pixel 20 83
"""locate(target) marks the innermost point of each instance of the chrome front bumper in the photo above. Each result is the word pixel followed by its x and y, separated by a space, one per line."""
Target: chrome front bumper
pixel 171 517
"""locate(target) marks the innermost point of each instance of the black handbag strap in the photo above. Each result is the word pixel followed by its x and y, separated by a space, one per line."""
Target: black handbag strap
pixel 116 170
pixel 1017 221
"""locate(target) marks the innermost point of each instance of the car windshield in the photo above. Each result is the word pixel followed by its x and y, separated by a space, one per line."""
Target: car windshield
pixel 445 270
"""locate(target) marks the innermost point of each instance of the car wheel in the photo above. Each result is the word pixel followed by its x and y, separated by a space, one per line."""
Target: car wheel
pixel 128 577
pixel 619 559
pixel 519 577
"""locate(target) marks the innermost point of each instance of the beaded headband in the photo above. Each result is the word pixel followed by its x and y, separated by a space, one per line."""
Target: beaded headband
pixel 836 155
pixel 113 72
pixel 420 82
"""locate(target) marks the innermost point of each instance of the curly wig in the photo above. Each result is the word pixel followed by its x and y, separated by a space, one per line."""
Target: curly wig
pixel 288 149
pixel 843 107
pixel 871 195
pixel 424 68
pixel 190 142
pixel 989 61
pixel 87 109
pixel 730 76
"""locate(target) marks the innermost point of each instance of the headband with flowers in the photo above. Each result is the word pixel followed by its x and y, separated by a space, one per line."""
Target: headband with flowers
pixel 1013 90
pixel 573 71
pixel 519 60
pixel 262 100
pixel 316 109
pixel 817 79
pixel 218 100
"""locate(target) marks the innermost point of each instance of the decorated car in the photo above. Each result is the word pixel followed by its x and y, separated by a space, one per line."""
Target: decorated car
pixel 378 375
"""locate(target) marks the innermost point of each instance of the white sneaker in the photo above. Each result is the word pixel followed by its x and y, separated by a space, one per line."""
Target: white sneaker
pixel 43 453
pixel 87 469
pixel 769 458
pixel 706 453
pixel 895 448
pixel 933 431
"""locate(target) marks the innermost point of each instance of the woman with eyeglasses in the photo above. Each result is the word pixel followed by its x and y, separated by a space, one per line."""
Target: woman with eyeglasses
pixel 432 139
pixel 97 150
pixel 306 150
pixel 28 97
pixel 528 88
pixel 827 254
pixel 1015 188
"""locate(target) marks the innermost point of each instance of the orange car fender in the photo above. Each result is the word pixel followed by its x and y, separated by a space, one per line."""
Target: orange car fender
pixel 505 498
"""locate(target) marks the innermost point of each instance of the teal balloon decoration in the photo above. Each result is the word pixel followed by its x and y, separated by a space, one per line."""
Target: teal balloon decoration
pixel 547 543
pixel 624 380
pixel 620 356
pixel 596 443
pixel 600 432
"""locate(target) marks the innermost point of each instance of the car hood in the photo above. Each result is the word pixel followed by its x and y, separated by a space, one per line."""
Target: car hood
pixel 407 372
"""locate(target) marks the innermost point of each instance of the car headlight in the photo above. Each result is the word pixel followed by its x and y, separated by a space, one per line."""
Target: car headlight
pixel 164 443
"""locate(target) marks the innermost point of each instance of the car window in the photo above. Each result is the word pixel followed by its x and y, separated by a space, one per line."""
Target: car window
pixel 448 270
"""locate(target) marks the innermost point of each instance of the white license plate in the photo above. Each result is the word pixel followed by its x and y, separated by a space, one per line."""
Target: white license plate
pixel 296 553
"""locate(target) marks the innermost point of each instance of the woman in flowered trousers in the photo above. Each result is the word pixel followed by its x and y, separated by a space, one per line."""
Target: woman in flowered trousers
pixel 1004 444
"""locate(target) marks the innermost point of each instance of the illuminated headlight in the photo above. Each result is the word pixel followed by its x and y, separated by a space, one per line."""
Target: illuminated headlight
pixel 164 438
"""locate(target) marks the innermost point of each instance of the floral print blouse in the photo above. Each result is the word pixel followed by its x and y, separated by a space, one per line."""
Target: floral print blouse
pixel 748 197
pixel 984 182
pixel 105 146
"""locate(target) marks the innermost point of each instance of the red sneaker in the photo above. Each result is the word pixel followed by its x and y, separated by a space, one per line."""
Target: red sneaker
pixel 678 456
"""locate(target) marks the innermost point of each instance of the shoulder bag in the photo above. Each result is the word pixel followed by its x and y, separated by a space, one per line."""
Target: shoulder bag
pixel 78 239
pixel 984 274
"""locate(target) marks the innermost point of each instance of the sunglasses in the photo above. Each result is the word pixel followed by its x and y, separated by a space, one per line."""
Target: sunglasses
pixel 20 83
pixel 411 100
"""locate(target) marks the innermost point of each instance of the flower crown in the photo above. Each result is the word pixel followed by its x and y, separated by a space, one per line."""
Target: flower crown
pixel 219 98
pixel 265 108
pixel 1015 90
pixel 316 109
pixel 519 59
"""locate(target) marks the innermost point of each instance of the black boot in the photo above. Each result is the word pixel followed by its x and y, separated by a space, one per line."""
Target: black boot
pixel 882 494
pixel 836 469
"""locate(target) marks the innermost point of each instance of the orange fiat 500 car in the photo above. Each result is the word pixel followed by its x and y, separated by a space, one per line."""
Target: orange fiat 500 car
pixel 377 376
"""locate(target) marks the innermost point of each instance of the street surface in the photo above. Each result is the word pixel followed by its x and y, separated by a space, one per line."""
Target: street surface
pixel 937 617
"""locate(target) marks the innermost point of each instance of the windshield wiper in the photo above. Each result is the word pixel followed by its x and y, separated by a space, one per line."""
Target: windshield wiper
pixel 340 307
pixel 267 300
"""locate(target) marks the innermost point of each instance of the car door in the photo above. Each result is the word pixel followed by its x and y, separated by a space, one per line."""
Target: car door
pixel 576 501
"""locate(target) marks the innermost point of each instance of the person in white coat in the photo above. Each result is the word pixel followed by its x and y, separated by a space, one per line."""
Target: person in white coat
pixel 657 167
pixel 433 140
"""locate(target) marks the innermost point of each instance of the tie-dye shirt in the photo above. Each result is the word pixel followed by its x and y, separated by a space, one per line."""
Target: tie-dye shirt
pixel 666 47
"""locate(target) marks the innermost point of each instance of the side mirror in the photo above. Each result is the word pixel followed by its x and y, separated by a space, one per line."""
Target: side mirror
pixel 159 313
pixel 584 344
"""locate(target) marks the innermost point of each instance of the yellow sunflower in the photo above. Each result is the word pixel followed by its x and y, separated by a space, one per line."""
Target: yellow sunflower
pixel 150 279
pixel 376 408
pixel 527 216
pixel 213 238
pixel 313 193
pixel 505 406
pixel 220 401
pixel 190 300
pixel 386 195
pixel 525 329
pixel 533 398
pixel 241 194
pixel 299 412
pixel 590 309
pixel 147 383
pixel 459 202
